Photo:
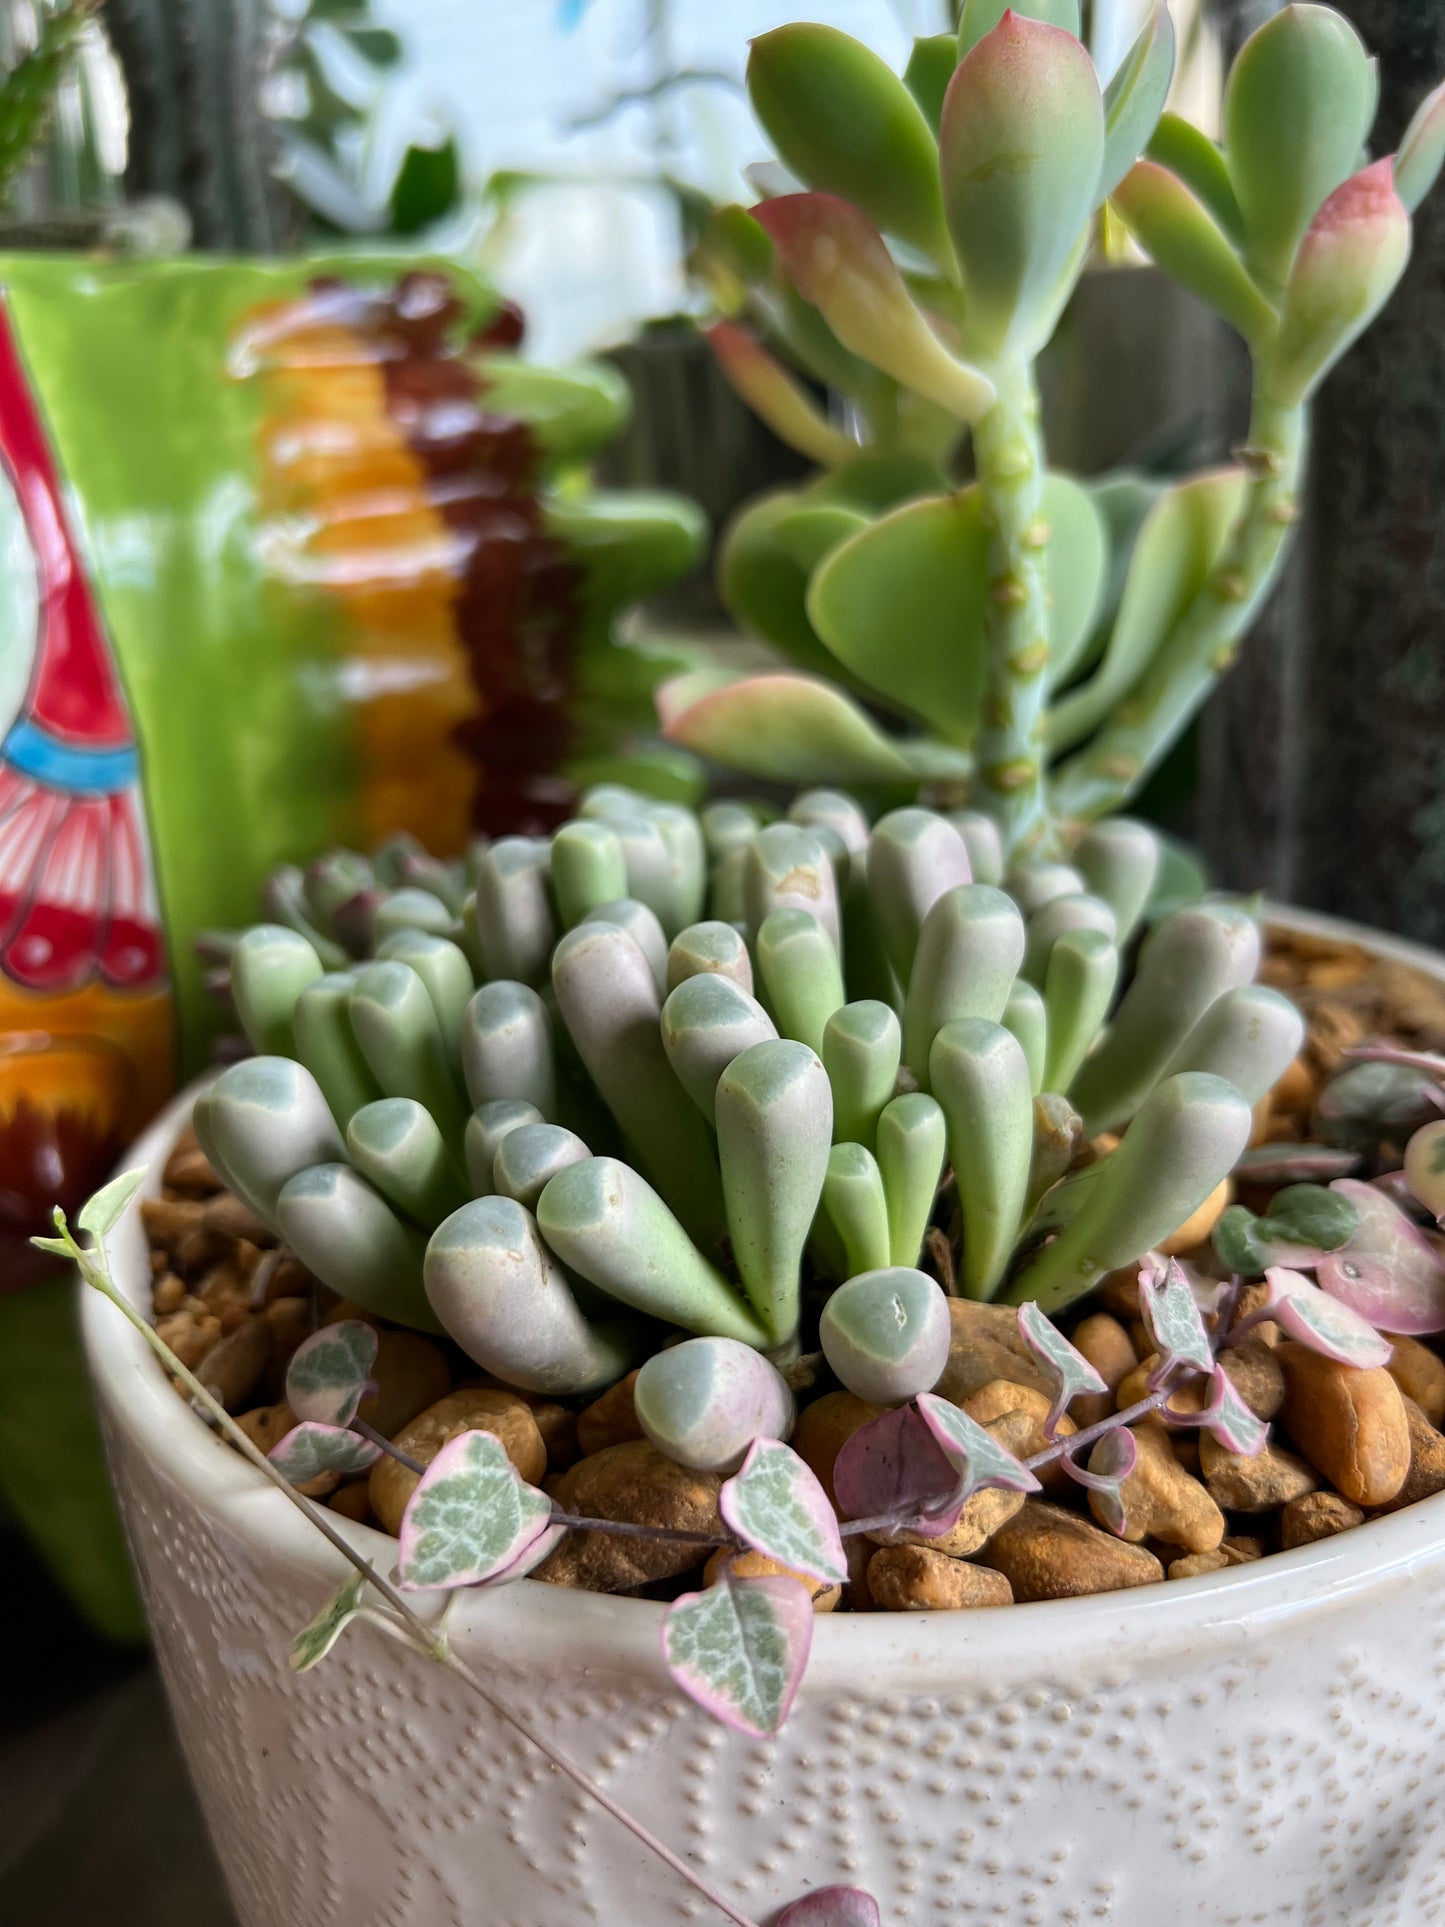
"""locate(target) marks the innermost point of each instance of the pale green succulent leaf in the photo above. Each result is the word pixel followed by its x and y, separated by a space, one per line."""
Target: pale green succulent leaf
pixel 1135 98
pixel 783 728
pixel 1190 154
pixel 979 17
pixel 1422 151
pixel 929 70
pixel 1179 234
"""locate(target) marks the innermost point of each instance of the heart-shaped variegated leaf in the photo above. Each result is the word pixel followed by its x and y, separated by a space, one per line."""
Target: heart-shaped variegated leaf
pixel 308 1450
pixel 1389 1272
pixel 1171 1316
pixel 1110 1463
pixel 981 1460
pixel 1070 1371
pixel 832 1907
pixel 102 1211
pixel 1229 1419
pixel 740 1649
pixel 894 1466
pixel 1312 1317
pixel 776 1505
pixel 330 1371
pixel 785 729
pixel 471 1516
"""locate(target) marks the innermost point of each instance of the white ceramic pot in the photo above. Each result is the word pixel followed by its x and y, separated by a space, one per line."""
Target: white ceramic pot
pixel 1259 1746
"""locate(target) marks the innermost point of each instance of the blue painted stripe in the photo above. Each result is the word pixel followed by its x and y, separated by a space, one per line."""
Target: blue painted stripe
pixel 65 766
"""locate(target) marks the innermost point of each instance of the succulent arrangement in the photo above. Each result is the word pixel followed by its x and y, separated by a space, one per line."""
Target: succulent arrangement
pixel 1037 639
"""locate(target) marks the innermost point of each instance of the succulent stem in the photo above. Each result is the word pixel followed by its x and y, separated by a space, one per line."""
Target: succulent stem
pixel 1100 776
pixel 1009 452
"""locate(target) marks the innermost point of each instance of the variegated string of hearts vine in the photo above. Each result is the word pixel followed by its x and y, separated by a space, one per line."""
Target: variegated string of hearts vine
pixel 740 1648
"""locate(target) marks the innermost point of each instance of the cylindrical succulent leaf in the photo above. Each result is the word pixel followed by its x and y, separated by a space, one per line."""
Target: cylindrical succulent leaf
pixel 981 1078
pixel 802 977
pixel 1119 860
pixel 587 868
pixel 327 1046
pixel 1058 919
pixel 842 121
pixel 506 1301
pixel 270 967
pixel 1021 145
pixel 1191 958
pixel 261 1122
pixel 511 911
pixel 486 1128
pixel 711 948
pixel 687 861
pixel 1026 1016
pixel 707 1022
pixel 703 1402
pixel 530 1156
pixel 728 891
pixel 1083 971
pixel 331 881
pixel 774 1130
pixel 1298 106
pixel 969 951
pixel 396 1026
pixel 396 1146
pixel 1184 1141
pixel 641 923
pixel 348 1236
pixel 984 844
pixel 608 997
pixel 886 1334
pixel 833 810
pixel 866 969
pixel 727 825
pixel 862 1049
pixel 648 864
pixel 787 868
pixel 837 261
pixel 912 1148
pixel 443 967
pixel 396 911
pixel 1033 886
pixel 1058 1133
pixel 507 1047
pixel 283 898
pixel 914 857
pixel 1347 268
pixel 856 1207
pixel 1249 1037
pixel 606 1223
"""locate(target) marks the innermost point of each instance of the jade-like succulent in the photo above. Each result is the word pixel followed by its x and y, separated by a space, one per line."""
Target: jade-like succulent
pixel 734 1078
pixel 1038 641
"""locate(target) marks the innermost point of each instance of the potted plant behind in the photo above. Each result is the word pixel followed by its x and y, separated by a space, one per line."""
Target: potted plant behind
pixel 771 1217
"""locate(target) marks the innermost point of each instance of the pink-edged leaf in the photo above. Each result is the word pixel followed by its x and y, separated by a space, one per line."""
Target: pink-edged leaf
pixel 330 1372
pixel 1070 1371
pixel 740 1649
pixel 776 397
pixel 1425 1167
pixel 310 1449
pixel 471 1517
pixel 980 1459
pixel 893 1464
pixel 779 726
pixel 1110 1463
pixel 1229 1419
pixel 1312 1317
pixel 1389 1272
pixel 528 1559
pixel 775 1504
pixel 832 1907
pixel 1171 1316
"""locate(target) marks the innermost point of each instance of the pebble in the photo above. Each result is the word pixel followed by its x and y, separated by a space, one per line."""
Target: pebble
pixel 1193 1565
pixel 267 1425
pixel 1254 1371
pixel 757 1565
pixel 188 1169
pixel 1316 1515
pixel 501 1413
pixel 985 1345
pixel 1200 1223
pixel 1187 1398
pixel 1047 1553
pixel 190 1331
pixel 1419 1374
pixel 225 1219
pixel 286 1323
pixel 1241 1484
pixel 630 1481
pixel 1426 1476
pixel 1351 1424
pixel 231 1370
pixel 1161 1500
pixel 1104 1342
pixel 353 1502
pixel 986 1511
pixel 411 1374
pixel 917 1579
pixel 1001 1396
pixel 610 1420
pixel 169 1222
pixel 824 1428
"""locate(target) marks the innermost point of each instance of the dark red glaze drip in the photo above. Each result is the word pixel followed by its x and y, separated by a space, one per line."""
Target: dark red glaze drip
pixel 518 605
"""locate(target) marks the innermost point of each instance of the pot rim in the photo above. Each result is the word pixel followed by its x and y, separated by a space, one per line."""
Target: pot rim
pixel 530 1626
